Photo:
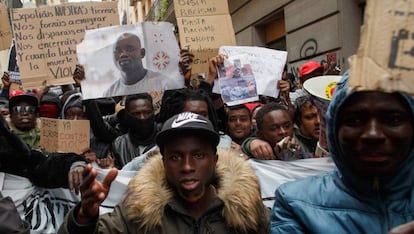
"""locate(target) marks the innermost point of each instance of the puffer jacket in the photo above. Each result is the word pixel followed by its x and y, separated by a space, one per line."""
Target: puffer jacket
pixel 150 205
pixel 341 201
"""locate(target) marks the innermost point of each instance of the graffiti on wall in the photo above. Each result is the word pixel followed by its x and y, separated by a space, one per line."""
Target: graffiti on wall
pixel 308 51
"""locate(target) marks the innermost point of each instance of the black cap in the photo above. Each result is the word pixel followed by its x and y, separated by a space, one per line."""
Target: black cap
pixel 187 122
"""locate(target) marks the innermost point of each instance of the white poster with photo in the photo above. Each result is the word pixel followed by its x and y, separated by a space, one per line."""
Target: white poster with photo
pixel 129 59
pixel 267 66
pixel 237 81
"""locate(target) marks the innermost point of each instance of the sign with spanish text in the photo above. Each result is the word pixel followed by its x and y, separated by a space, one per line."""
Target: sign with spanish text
pixel 46 38
pixel 385 58
pixel 190 8
pixel 267 66
pixel 64 136
pixel 204 26
pixel 5 29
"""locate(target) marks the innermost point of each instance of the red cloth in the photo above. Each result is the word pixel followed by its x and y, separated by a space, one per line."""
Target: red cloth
pixel 49 110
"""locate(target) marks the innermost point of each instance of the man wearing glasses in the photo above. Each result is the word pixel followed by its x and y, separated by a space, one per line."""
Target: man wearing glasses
pixel 23 109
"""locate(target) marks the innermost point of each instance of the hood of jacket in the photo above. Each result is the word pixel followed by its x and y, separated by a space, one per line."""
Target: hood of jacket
pixel 238 188
pixel 395 185
pixel 73 100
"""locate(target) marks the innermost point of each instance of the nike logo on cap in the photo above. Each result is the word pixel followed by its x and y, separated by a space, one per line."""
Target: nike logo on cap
pixel 185 118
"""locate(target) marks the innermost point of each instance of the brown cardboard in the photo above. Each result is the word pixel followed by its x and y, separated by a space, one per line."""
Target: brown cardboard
pixel 64 136
pixel 190 8
pixel 46 38
pixel 203 35
pixel 5 29
pixel 385 57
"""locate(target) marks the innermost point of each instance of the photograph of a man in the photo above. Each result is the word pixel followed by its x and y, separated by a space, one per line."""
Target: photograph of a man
pixel 129 59
pixel 128 55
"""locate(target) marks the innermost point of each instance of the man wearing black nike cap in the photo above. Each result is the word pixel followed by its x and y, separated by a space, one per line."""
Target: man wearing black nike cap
pixel 190 189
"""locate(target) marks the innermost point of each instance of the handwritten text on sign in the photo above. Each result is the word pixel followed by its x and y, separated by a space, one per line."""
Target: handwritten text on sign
pixel 189 8
pixel 57 135
pixel 46 37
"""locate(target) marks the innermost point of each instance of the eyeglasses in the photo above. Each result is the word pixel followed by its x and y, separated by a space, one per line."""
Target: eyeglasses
pixel 21 109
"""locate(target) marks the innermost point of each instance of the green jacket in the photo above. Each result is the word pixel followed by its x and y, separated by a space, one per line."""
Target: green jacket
pixel 150 205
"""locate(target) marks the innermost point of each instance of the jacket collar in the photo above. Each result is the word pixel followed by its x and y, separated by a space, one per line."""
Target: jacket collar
pixel 238 188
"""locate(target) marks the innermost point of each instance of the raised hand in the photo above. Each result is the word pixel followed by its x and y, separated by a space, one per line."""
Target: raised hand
pixel 93 193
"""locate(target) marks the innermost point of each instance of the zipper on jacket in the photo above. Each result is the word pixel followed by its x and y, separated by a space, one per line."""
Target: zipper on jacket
pixel 196 225
pixel 384 213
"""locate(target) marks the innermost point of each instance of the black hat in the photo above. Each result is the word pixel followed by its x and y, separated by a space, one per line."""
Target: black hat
pixel 187 122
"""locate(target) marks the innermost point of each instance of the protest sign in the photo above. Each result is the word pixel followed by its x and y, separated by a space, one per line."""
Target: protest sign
pixel 64 136
pixel 267 66
pixel 204 27
pixel 236 80
pixel 156 100
pixel 46 38
pixel 5 29
pixel 111 69
pixel 385 57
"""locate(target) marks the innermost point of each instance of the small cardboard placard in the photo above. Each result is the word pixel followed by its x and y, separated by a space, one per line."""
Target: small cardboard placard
pixel 385 57
pixel 64 136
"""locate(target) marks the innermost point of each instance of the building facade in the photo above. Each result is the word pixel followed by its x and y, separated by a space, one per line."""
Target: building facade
pixel 306 29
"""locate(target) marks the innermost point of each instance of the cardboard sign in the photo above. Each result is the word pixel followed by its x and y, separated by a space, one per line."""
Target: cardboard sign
pixel 190 8
pixel 5 29
pixel 65 136
pixel 46 38
pixel 385 58
pixel 204 26
pixel 267 66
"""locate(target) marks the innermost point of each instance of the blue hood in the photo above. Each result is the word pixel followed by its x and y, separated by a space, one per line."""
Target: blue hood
pixel 402 181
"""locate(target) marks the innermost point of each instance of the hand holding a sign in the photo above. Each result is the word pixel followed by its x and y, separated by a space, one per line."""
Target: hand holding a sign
pixel 186 60
pixel 93 193
pixel 5 79
pixel 213 63
pixel 78 74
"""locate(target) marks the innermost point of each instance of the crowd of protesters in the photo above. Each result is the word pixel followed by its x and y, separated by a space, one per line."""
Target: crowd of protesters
pixel 190 157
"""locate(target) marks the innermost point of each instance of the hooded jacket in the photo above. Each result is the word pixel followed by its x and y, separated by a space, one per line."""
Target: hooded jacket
pixel 341 201
pixel 150 205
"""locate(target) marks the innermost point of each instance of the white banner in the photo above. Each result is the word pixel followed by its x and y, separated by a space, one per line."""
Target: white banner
pixel 45 209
